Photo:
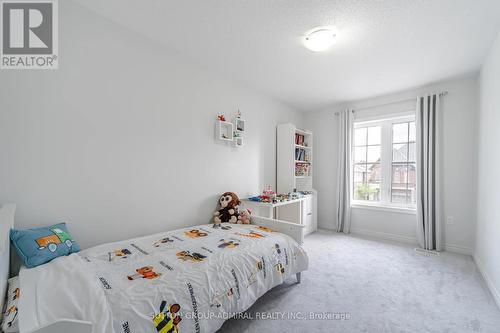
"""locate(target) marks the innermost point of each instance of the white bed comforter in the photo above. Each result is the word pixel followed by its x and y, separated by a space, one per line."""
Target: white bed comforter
pixel 187 280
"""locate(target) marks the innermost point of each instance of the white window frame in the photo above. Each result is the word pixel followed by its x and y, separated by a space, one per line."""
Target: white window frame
pixel 385 202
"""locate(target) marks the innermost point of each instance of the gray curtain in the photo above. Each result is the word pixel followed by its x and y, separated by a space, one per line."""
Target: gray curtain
pixel 344 172
pixel 428 177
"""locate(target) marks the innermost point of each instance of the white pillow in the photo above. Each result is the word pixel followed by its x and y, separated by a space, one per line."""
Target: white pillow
pixel 10 322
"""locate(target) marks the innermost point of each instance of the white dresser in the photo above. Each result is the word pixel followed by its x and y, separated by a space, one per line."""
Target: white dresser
pixel 300 211
pixel 309 211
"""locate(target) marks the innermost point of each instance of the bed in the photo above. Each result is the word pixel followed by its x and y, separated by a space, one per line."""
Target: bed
pixel 185 280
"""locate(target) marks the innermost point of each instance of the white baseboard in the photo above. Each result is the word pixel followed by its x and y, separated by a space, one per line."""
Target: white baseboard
pixel 384 236
pixel 407 240
pixel 487 279
pixel 458 249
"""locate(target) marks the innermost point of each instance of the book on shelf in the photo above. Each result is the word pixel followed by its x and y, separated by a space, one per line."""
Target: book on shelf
pixel 299 139
pixel 301 155
pixel 302 169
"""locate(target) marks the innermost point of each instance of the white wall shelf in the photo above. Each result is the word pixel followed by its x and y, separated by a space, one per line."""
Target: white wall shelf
pixel 239 131
pixel 239 125
pixel 231 131
pixel 224 131
pixel 238 141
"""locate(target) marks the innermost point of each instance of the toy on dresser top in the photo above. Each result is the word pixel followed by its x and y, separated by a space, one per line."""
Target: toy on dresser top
pixel 228 210
pixel 269 196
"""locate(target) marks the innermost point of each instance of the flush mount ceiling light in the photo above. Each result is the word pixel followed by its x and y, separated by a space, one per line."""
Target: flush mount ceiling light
pixel 319 39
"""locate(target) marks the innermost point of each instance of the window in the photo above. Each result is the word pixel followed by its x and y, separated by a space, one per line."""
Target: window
pixel 404 168
pixel 384 162
pixel 367 148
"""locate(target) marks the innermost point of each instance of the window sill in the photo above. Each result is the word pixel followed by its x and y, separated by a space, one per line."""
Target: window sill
pixel 385 208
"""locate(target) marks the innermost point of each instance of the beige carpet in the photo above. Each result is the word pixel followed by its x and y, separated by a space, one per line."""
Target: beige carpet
pixel 362 285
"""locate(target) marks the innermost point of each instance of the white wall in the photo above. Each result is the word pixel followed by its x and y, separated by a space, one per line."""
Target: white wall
pixel 460 113
pixel 119 142
pixel 487 250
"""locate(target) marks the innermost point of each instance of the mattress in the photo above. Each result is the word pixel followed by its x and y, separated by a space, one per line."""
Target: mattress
pixel 187 280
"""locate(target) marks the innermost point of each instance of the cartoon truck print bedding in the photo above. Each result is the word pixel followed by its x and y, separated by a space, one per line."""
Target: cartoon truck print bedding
pixel 189 280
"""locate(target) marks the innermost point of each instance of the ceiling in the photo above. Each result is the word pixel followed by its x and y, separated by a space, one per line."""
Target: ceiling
pixel 382 46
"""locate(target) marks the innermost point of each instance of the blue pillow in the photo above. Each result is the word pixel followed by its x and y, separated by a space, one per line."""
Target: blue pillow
pixel 37 246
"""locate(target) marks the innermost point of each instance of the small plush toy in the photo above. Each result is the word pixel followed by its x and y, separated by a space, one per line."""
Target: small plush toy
pixel 244 216
pixel 221 117
pixel 227 210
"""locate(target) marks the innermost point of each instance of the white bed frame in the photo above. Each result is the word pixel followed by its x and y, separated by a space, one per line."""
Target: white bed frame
pixel 6 223
pixel 7 211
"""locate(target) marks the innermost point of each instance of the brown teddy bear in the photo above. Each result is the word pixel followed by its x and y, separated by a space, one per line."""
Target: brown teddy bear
pixel 227 210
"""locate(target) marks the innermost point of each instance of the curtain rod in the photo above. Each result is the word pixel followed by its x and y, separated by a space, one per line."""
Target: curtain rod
pixel 441 94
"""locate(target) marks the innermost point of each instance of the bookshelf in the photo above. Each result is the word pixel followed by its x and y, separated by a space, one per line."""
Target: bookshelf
pixel 295 171
pixel 294 159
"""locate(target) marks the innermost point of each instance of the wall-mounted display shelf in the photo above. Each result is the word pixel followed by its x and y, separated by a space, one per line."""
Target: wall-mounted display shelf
pixel 238 141
pixel 231 131
pixel 239 131
pixel 239 125
pixel 224 130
